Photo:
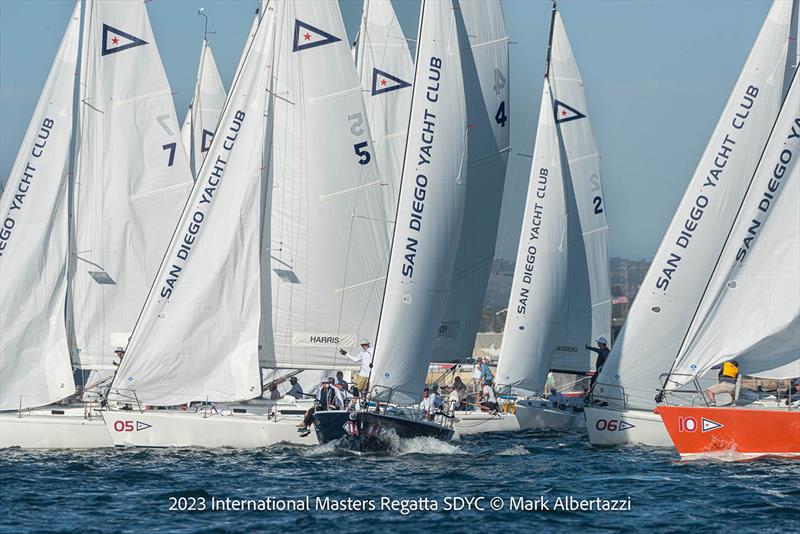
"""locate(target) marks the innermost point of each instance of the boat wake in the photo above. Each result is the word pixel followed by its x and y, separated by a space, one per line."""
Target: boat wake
pixel 516 450
pixel 395 446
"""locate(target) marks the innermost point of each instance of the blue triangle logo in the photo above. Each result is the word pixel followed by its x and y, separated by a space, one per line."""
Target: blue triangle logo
pixel 565 113
pixel 383 82
pixel 709 425
pixel 142 426
pixel 115 40
pixel 205 143
pixel 307 36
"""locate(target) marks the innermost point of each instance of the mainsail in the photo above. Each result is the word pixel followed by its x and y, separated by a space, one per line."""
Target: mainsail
pixel 541 269
pixel 35 366
pixel 587 306
pixel 429 212
pixel 751 309
pixel 197 336
pixel 484 46
pixel 386 69
pixel 327 240
pixel 202 117
pixel 671 291
pixel 131 177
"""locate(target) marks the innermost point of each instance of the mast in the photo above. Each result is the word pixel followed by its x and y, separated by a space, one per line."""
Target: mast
pixel 550 40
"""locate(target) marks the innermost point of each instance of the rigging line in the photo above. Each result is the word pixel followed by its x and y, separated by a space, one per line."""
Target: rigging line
pixel 344 285
pixel 728 236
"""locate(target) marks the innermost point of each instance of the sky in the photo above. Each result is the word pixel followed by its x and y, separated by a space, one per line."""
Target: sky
pixel 657 74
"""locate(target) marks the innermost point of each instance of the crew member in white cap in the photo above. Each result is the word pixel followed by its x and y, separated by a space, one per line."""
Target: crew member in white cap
pixel 602 351
pixel 120 352
pixel 365 357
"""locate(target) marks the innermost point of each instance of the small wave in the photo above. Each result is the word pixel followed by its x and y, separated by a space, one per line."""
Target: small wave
pixel 516 450
pixel 422 445
pixel 324 449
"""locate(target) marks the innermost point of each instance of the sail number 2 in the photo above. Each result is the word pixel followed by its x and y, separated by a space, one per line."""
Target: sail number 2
pixel 597 200
pixel 356 122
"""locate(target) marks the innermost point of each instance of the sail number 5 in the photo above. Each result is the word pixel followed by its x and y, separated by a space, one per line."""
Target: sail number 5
pixel 360 149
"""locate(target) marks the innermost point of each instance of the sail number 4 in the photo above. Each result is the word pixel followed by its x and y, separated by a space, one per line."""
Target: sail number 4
pixel 356 121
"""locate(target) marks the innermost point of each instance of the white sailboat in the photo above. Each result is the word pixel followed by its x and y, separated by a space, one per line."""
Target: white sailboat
pixel 485 66
pixel 429 212
pixel 671 293
pixel 86 234
pixel 557 302
pixel 200 123
pixel 386 68
pixel 275 262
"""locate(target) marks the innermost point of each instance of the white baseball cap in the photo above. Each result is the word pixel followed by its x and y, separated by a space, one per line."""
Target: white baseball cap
pixel 364 341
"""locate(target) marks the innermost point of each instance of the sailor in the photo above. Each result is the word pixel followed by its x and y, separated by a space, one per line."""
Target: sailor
pixel 728 373
pixel 487 398
pixel 486 372
pixel 556 399
pixel 794 392
pixel 340 379
pixel 602 351
pixel 436 398
pixel 476 374
pixel 341 396
pixel 365 358
pixel 296 390
pixel 426 406
pixel 458 394
pixel 120 353
pixel 274 394
pixel 325 398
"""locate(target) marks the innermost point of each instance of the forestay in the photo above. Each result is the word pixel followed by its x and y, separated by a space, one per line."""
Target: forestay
pixel 587 307
pixel 197 337
pixel 202 118
pixel 670 293
pixel 751 310
pixel 35 366
pixel 540 273
pixel 484 46
pixel 131 177
pixel 327 225
pixel 429 212
pixel 386 69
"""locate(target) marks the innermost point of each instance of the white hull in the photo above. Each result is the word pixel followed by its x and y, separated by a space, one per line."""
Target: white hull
pixel 529 414
pixel 198 429
pixel 41 429
pixel 625 427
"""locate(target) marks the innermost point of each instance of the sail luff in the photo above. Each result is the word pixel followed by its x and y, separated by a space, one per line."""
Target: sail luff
pixel 430 210
pixel 35 367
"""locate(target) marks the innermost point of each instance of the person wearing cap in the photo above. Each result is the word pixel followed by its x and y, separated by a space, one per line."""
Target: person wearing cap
pixel 728 374
pixel 120 352
pixel 487 398
pixel 602 351
pixel 296 390
pixel 486 371
pixel 365 358
pixel 793 394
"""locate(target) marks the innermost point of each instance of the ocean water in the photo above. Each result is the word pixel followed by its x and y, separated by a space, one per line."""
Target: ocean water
pixel 130 490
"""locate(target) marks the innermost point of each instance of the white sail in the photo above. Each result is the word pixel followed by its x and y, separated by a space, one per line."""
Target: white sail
pixel 430 209
pixel 260 11
pixel 587 306
pixel 386 69
pixel 35 366
pixel 670 292
pixel 540 272
pixel 131 179
pixel 485 65
pixel 751 309
pixel 328 242
pixel 204 111
pixel 197 337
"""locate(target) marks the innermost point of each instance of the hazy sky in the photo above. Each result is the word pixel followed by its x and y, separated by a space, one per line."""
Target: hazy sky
pixel 656 73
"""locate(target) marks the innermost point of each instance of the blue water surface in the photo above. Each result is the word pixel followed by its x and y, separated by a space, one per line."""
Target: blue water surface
pixel 132 490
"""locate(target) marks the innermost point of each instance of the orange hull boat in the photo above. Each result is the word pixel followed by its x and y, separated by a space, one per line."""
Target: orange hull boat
pixel 732 433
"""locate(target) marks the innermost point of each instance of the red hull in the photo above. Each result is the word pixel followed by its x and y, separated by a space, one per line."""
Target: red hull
pixel 732 432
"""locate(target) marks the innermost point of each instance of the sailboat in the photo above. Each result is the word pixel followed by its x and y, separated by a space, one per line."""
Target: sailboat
pixel 276 261
pixel 671 293
pixel 429 211
pixel 750 311
pixel 205 108
pixel 560 294
pixel 85 207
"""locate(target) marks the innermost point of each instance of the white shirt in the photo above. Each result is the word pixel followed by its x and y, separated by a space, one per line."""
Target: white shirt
pixel 476 371
pixel 365 357
pixel 427 405
pixel 488 394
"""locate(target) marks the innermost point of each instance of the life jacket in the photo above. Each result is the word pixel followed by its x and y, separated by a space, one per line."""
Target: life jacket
pixel 729 370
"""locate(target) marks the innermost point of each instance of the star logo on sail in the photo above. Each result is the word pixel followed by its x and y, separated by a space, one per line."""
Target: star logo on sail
pixel 307 36
pixel 383 82
pixel 565 113
pixel 709 425
pixel 115 40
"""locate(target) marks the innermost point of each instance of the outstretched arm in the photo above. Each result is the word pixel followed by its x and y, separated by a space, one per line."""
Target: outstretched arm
pixel 593 349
